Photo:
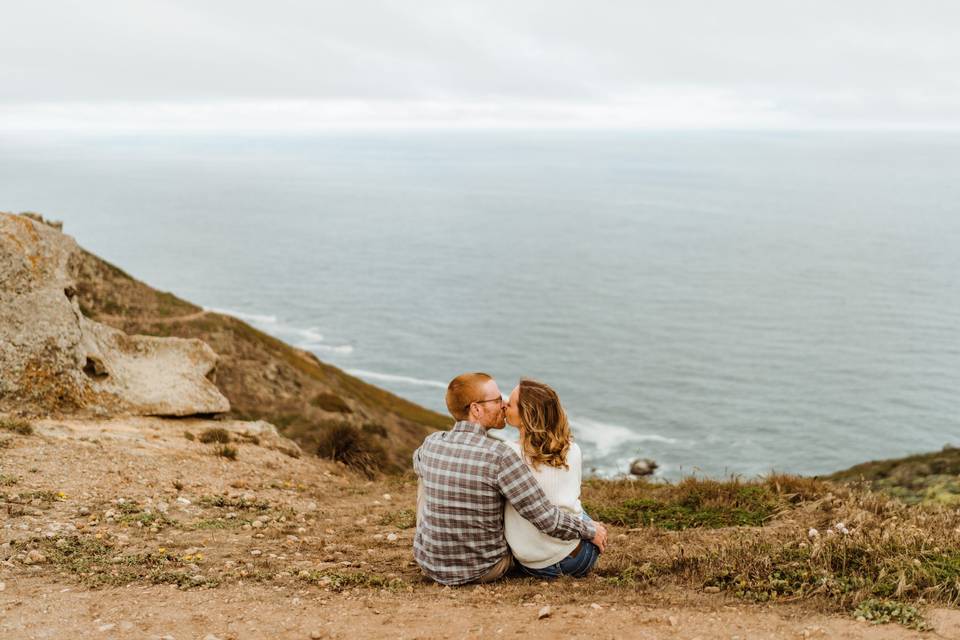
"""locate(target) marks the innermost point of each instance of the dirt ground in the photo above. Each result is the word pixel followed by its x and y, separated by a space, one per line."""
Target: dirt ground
pixel 128 529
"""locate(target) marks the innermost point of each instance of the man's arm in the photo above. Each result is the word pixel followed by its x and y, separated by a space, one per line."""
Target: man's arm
pixel 521 488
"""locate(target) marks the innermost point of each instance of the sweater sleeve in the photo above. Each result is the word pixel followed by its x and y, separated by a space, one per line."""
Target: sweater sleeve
pixel 522 490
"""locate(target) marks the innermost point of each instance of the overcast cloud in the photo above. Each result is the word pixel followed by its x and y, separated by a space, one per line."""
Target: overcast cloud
pixel 287 64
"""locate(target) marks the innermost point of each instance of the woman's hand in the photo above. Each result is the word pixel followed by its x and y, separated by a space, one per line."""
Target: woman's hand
pixel 600 539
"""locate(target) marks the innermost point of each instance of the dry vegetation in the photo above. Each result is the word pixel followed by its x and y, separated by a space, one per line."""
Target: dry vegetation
pixel 839 548
pixel 831 548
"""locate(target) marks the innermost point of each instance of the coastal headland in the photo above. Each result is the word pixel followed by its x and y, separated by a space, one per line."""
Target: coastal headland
pixel 168 472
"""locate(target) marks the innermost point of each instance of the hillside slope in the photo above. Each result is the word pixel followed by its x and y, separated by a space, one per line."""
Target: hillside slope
pixel 263 377
pixel 921 478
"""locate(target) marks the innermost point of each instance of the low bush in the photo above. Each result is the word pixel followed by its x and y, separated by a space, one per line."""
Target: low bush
pixel 215 434
pixel 353 447
pixel 21 427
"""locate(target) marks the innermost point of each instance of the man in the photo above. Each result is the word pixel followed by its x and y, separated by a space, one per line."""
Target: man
pixel 465 477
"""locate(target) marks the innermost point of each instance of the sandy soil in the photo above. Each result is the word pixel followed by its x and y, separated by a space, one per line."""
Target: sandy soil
pixel 258 572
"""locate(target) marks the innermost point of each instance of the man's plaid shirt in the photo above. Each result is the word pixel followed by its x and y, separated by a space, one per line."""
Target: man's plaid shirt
pixel 465 478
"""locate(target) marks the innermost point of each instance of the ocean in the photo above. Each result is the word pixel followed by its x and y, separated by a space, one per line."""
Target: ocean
pixel 722 302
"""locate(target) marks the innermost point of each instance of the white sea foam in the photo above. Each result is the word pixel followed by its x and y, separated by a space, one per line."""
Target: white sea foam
pixel 389 377
pixel 249 317
pixel 327 348
pixel 606 437
pixel 310 335
pixel 309 338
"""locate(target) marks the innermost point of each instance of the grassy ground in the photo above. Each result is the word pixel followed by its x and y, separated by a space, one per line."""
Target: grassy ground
pixel 310 524
pixel 786 538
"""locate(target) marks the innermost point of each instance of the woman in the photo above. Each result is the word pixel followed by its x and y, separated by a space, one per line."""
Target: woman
pixel 554 458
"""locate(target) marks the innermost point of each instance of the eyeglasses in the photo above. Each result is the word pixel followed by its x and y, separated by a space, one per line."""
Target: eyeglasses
pixel 500 400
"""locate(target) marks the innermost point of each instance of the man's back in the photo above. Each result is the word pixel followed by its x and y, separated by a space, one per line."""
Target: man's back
pixel 460 525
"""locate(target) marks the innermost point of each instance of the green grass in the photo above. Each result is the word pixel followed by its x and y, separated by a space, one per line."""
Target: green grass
pixel 689 504
pixel 226 502
pixel 341 580
pixel 44 495
pixel 97 563
pixel 401 519
pixel 884 611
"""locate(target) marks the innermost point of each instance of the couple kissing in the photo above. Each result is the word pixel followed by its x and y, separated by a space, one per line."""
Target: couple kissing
pixel 487 508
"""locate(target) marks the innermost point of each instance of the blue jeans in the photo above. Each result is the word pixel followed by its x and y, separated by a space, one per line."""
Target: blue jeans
pixel 577 566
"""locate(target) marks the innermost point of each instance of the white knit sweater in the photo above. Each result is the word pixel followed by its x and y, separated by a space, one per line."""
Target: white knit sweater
pixel 562 486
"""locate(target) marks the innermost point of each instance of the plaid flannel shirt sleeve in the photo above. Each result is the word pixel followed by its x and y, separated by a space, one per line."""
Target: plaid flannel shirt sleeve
pixel 522 490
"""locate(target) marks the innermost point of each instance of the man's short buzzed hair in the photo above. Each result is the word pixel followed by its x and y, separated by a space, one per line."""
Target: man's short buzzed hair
pixel 463 390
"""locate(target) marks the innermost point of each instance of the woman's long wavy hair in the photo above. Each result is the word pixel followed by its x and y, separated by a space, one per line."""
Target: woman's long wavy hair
pixel 545 433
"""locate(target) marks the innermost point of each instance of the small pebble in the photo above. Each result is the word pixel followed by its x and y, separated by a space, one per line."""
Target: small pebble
pixel 544 612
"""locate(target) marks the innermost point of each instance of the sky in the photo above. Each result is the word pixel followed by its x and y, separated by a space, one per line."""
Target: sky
pixel 313 64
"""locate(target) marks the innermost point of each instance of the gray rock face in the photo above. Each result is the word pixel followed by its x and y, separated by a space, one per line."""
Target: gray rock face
pixel 55 360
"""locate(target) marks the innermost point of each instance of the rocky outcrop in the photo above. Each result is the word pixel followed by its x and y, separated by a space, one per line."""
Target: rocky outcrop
pixel 643 467
pixel 53 359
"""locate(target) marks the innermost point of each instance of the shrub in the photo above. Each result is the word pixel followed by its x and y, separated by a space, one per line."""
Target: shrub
pixel 226 451
pixel 250 438
pixel 374 429
pixel 331 402
pixel 189 436
pixel 215 434
pixel 352 447
pixel 21 427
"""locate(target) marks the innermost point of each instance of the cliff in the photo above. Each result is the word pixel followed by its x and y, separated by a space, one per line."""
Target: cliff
pixel 316 404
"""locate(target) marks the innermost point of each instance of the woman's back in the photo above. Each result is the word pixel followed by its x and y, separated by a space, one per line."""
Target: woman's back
pixel 562 487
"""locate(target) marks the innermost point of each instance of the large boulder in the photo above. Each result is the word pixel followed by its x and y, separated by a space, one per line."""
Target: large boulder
pixel 55 360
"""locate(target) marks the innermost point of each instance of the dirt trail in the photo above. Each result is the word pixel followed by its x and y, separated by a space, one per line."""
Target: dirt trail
pixel 145 533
